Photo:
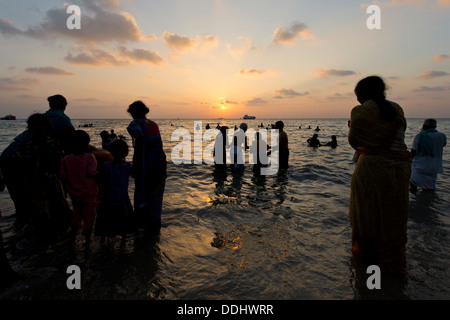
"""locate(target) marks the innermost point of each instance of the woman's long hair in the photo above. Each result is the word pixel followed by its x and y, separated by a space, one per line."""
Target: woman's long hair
pixel 374 88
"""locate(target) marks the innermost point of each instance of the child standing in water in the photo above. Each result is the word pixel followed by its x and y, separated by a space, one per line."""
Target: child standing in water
pixel 115 210
pixel 78 171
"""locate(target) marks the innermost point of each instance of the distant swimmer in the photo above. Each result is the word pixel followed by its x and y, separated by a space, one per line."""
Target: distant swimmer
pixel 300 127
pixel 309 127
pixel 207 126
pixel 218 127
pixel 314 141
pixel 333 142
pixel 317 129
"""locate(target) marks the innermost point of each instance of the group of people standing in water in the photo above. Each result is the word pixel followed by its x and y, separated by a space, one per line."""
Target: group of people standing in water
pixel 51 159
pixel 52 162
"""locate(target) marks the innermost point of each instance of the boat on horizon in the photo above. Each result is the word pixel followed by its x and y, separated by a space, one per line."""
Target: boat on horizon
pixel 249 117
pixel 8 117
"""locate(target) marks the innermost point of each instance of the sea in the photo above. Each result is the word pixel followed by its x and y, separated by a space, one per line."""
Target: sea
pixel 229 236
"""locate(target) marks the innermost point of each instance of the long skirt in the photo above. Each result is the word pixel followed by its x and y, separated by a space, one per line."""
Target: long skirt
pixel 379 211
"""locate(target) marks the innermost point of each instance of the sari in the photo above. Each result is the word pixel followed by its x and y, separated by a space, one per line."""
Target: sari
pixel 149 170
pixel 379 195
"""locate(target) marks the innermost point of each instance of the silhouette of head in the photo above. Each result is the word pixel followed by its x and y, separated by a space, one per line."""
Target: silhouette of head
pixel 38 123
pixel 138 110
pixel 429 124
pixel 279 125
pixel 104 135
pixel 243 126
pixel 57 102
pixel 315 136
pixel 80 141
pixel 372 87
pixel 118 149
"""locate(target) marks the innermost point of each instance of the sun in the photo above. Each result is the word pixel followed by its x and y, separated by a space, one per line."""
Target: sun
pixel 223 107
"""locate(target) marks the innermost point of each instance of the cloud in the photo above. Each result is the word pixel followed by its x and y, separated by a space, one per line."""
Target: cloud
pixel 102 22
pixel 288 93
pixel 290 35
pixel 340 96
pixel 430 89
pixel 441 57
pixel 50 71
pixel 207 42
pixel 244 45
pixel 18 84
pixel 244 71
pixel 141 55
pixel 256 102
pixel 99 58
pixel 322 73
pixel 95 57
pixel 432 74
pixel 88 100
pixel 179 43
pixel 182 43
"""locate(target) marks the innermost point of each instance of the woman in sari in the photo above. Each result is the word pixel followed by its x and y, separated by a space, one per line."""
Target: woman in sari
pixel 380 183
pixel 149 167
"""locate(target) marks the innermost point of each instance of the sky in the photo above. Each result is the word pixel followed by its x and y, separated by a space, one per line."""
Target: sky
pixel 209 59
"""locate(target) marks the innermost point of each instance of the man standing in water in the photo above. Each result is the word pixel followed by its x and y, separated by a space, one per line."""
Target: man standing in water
pixel 62 127
pixel 427 152
pixel 283 145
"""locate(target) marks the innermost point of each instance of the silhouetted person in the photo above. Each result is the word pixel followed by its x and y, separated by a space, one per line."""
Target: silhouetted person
pixel 314 141
pixel 78 171
pixel 207 127
pixel 317 129
pixel 220 148
pixel 113 135
pixel 427 152
pixel 332 143
pixel 283 145
pixel 149 168
pixel 61 126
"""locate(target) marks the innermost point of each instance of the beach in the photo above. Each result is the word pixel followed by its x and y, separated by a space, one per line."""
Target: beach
pixel 240 236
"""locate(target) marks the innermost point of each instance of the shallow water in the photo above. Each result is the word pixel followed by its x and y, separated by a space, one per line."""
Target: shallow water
pixel 239 236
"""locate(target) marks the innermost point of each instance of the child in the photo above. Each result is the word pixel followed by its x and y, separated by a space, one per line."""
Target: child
pixel 78 171
pixel 115 210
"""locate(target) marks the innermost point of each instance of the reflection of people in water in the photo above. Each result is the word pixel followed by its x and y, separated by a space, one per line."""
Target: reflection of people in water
pixel 333 142
pixel 314 141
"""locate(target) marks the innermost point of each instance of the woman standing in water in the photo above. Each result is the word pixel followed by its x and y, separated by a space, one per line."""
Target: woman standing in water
pixel 380 183
pixel 149 167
